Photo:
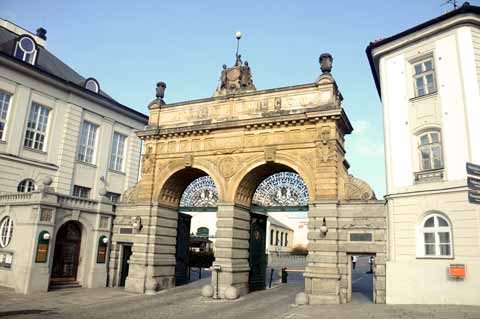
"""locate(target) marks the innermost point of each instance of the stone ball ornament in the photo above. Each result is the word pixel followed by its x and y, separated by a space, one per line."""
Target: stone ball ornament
pixel 207 291
pixel 47 181
pixel 231 293
pixel 301 299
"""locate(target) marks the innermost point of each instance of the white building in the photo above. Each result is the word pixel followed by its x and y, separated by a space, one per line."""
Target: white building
pixel 64 144
pixel 428 81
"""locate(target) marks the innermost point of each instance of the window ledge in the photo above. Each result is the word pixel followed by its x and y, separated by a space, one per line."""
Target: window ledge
pixel 425 96
pixel 436 257
pixel 117 172
pixel 34 150
pixel 86 163
pixel 3 142
pixel 428 176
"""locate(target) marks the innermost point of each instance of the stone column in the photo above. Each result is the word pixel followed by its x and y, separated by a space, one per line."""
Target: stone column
pixel 322 276
pixel 231 249
pixel 152 264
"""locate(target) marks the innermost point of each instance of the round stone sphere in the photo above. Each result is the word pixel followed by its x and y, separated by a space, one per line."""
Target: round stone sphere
pixel 231 293
pixel 301 299
pixel 207 291
pixel 47 181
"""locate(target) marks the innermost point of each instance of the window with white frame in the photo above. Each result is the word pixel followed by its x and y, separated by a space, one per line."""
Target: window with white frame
pixel 26 49
pixel 430 149
pixel 4 104
pixel 424 77
pixel 436 236
pixel 6 231
pixel 36 127
pixel 25 186
pixel 80 191
pixel 86 146
pixel 118 151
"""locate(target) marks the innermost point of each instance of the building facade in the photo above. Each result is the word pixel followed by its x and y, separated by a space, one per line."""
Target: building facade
pixel 67 150
pixel 428 81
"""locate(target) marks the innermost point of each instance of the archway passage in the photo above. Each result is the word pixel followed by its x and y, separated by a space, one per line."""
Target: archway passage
pixel 66 254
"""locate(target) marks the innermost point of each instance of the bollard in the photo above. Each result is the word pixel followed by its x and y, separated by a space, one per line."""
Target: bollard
pixel 271 278
pixel 284 275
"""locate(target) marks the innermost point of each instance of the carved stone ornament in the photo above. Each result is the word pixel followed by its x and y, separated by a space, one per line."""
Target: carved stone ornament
pixel 355 188
pixel 326 151
pixel 159 93
pixel 227 166
pixel 129 196
pixel 269 154
pixel 148 159
pixel 136 222
pixel 326 61
pixel 235 79
pixel 188 160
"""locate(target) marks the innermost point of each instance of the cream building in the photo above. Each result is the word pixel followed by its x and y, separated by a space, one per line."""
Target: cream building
pixel 67 150
pixel 428 81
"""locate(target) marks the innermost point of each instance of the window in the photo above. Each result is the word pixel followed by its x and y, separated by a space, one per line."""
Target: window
pixel 26 49
pixel 80 191
pixel 92 85
pixel 286 239
pixel 118 151
pixel 281 239
pixel 25 186
pixel 6 231
pixel 86 147
pixel 36 127
pixel 277 240
pixel 424 77
pixel 271 237
pixel 437 237
pixel 114 197
pixel 430 148
pixel 4 103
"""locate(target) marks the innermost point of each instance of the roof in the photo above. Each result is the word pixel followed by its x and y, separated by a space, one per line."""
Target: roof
pixel 277 223
pixel 47 63
pixel 464 9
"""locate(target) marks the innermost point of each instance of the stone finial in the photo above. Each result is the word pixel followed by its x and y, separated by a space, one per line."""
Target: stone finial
pixel 160 91
pixel 326 61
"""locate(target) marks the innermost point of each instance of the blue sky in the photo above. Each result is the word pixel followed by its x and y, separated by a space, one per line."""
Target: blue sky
pixel 130 45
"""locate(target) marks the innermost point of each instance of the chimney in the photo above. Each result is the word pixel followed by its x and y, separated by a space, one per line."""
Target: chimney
pixel 42 33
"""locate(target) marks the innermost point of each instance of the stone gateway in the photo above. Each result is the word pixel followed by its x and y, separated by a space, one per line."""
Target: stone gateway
pixel 238 138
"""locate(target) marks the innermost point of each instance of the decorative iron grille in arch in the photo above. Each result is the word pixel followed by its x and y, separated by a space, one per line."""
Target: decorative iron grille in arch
pixel 202 192
pixel 280 189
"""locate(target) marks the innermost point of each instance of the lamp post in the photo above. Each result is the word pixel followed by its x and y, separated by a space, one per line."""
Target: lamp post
pixel 238 35
pixel 324 228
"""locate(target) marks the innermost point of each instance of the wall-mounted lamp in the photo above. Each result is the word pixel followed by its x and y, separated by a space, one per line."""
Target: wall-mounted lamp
pixel 46 236
pixel 324 228
pixel 105 240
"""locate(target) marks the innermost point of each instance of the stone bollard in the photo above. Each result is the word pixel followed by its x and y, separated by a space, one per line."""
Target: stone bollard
pixel 207 291
pixel 301 299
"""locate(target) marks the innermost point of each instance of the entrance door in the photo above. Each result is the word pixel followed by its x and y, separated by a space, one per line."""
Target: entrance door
pixel 181 255
pixel 257 260
pixel 127 252
pixel 67 250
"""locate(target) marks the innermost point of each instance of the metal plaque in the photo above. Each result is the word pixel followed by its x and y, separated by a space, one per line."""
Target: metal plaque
pixel 473 169
pixel 473 183
pixel 125 230
pixel 474 197
pixel 361 237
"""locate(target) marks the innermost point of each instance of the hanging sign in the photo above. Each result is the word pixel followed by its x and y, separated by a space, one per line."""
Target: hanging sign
pixel 456 271
pixel 473 183
pixel 473 169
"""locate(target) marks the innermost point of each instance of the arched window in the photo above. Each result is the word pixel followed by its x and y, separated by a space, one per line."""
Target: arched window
pixel 6 231
pixel 25 186
pixel 92 85
pixel 271 237
pixel 26 49
pixel 436 234
pixel 430 150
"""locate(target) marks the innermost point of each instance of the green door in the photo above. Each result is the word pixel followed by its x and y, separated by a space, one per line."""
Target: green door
pixel 257 258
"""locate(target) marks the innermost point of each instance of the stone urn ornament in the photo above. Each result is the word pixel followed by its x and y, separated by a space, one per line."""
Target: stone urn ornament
pixel 326 61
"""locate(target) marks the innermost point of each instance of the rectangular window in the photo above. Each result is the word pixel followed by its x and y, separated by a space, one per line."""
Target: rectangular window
pixel 424 77
pixel 86 146
pixel 4 104
pixel 114 197
pixel 80 191
pixel 36 127
pixel 118 151
pixel 286 240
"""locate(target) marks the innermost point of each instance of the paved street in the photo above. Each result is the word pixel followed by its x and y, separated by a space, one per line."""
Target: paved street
pixel 185 302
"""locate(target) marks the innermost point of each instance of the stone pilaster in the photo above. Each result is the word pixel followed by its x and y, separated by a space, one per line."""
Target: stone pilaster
pixel 322 276
pixel 152 264
pixel 231 249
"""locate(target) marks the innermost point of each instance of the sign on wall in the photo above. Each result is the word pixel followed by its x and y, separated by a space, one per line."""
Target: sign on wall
pixel 456 271
pixel 473 183
pixel 6 258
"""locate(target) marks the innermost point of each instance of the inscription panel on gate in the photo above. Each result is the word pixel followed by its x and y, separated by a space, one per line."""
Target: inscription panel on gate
pixel 365 237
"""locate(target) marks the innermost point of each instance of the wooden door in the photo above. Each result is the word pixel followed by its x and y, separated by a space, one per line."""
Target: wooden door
pixel 257 258
pixel 127 252
pixel 67 251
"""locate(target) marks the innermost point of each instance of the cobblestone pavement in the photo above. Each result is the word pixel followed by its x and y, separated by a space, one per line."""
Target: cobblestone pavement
pixel 185 302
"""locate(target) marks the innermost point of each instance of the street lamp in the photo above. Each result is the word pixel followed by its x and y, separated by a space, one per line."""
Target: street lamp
pixel 324 228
